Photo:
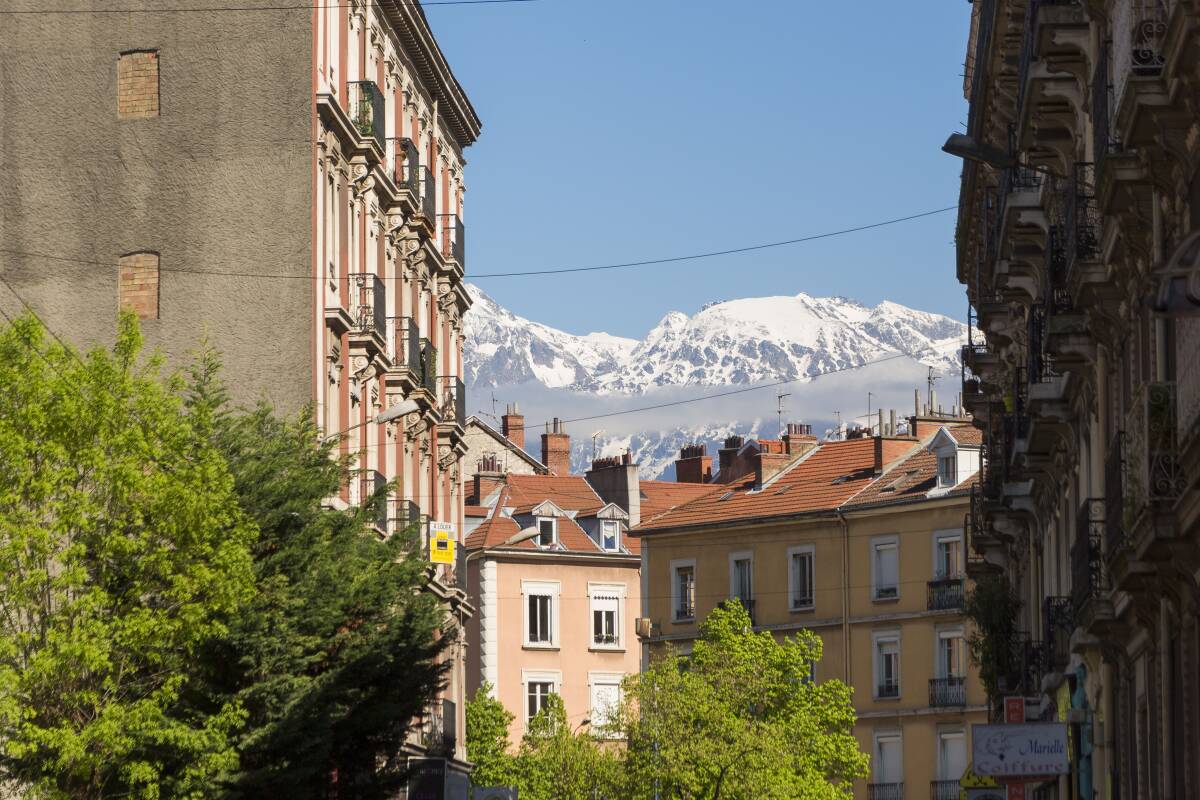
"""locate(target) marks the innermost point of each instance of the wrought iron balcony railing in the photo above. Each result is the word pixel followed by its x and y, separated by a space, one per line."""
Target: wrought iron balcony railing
pixel 404 343
pixel 371 481
pixel 367 110
pixel 1059 620
pixel 1153 474
pixel 944 790
pixel 888 688
pixel 429 366
pixel 945 594
pixel 1088 575
pixel 368 303
pixel 403 514
pixel 1041 367
pixel 454 404
pixel 1082 217
pixel 885 791
pixel 405 161
pixel 1139 29
pixel 439 733
pixel 454 238
pixel 428 184
pixel 948 691
pixel 1104 137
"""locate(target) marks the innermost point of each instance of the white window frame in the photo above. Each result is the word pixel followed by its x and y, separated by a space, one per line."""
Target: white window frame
pixel 877 543
pixel 528 676
pixel 878 639
pixel 940 635
pixel 616 525
pixel 950 535
pixel 793 578
pixel 888 735
pixel 554 532
pixel 595 680
pixel 541 588
pixel 950 733
pixel 741 555
pixel 606 590
pixel 676 565
pixel 947 481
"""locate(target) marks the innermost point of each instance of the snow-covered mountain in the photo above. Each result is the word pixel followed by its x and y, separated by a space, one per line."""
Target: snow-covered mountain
pixel 726 343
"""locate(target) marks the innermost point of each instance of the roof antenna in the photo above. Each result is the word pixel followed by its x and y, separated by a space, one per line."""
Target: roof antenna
pixel 596 436
pixel 869 395
pixel 779 409
pixel 929 379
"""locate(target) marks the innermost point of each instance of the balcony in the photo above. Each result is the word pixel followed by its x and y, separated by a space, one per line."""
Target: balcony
pixel 366 111
pixel 403 514
pixel 427 182
pixel 1139 29
pixel 948 691
pixel 885 791
pixel 888 689
pixel 1153 479
pixel 368 304
pixel 439 733
pixel 370 482
pixel 454 239
pixel 945 594
pixel 1089 578
pixel 1059 622
pixel 405 162
pixel 454 402
pixel 404 344
pixel 429 367
pixel 1114 496
pixel 944 790
pixel 1104 138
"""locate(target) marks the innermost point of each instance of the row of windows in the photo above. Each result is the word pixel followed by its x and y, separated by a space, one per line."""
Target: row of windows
pixel 887 757
pixel 605 691
pixel 547 538
pixel 606 608
pixel 948 666
pixel 885 574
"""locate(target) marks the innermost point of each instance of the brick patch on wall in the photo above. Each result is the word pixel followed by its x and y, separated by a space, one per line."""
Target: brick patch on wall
pixel 137 286
pixel 137 84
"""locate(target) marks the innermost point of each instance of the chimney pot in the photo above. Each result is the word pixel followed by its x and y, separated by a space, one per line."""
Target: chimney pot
pixel 512 426
pixel 556 449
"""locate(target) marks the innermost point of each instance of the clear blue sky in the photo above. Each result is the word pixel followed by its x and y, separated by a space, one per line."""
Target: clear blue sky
pixel 622 130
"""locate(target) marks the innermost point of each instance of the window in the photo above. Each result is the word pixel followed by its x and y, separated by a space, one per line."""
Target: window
pixel 547 532
pixel 800 577
pixel 889 758
pixel 887 665
pixel 741 580
pixel 606 697
pixel 885 568
pixel 541 623
pixel 947 471
pixel 949 654
pixel 539 685
pixel 952 756
pixel 606 615
pixel 947 556
pixel 683 590
pixel 610 536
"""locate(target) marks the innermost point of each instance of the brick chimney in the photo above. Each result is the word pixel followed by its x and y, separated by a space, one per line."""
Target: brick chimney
pixel 727 454
pixel 512 425
pixel 615 479
pixel 694 464
pixel 890 448
pixel 556 448
pixel 769 462
pixel 799 439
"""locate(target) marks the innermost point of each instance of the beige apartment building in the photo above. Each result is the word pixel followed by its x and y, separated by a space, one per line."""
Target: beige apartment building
pixel 1079 216
pixel 287 181
pixel 860 541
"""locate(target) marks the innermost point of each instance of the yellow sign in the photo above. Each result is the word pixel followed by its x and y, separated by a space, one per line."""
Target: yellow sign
pixel 441 542
pixel 970 781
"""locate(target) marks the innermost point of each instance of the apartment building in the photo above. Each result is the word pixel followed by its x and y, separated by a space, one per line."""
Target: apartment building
pixel 494 453
pixel 1076 240
pixel 557 583
pixel 287 182
pixel 860 541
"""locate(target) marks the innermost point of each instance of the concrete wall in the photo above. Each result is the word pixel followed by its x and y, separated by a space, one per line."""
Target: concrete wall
pixel 219 181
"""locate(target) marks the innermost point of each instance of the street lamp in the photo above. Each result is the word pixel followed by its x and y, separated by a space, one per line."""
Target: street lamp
pixel 1178 290
pixel 965 146
pixel 387 415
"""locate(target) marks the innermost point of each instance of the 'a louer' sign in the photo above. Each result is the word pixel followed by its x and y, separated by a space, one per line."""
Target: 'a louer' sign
pixel 1030 749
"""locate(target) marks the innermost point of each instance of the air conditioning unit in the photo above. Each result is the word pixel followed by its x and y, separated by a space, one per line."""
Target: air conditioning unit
pixel 644 627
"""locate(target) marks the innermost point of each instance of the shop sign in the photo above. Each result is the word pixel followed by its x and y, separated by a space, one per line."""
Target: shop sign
pixel 1033 749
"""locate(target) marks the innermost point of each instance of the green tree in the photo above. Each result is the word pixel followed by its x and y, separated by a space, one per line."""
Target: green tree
pixel 122 551
pixel 559 762
pixel 739 719
pixel 487 740
pixel 339 650
pixel 994 606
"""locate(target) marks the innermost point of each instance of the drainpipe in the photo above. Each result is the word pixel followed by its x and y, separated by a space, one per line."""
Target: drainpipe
pixel 845 596
pixel 1156 255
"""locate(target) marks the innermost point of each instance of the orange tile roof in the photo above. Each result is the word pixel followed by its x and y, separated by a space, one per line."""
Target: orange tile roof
pixel 966 434
pixel 476 511
pixel 658 497
pixel 826 478
pixel 568 492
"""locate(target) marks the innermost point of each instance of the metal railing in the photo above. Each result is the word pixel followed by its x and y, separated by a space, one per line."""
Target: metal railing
pixel 366 110
pixel 404 514
pixel 428 184
pixel 370 482
pixel 1139 28
pixel 944 790
pixel 439 733
pixel 368 303
pixel 1082 217
pixel 405 161
pixel 429 366
pixel 948 691
pixel 1104 137
pixel 1153 473
pixel 1058 614
pixel 454 238
pixel 1041 367
pixel 888 688
pixel 1088 575
pixel 945 594
pixel 885 791
pixel 404 342
pixel 454 404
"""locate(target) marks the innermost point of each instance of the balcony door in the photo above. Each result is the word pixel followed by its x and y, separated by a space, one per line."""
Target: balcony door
pixel 952 755
pixel 948 558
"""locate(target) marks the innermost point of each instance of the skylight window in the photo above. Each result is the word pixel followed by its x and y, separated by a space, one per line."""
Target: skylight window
pixel 725 496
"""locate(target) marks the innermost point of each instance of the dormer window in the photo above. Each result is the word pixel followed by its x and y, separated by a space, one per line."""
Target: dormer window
pixel 547 532
pixel 947 470
pixel 610 536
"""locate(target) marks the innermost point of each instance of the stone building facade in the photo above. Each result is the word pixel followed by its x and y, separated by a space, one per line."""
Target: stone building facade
pixel 1078 216
pixel 287 182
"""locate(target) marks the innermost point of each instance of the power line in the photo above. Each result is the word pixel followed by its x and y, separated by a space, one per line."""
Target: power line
pixel 213 9
pixel 694 256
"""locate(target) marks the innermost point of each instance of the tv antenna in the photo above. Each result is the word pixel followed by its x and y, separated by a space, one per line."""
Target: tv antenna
pixel 929 379
pixel 596 436
pixel 779 398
